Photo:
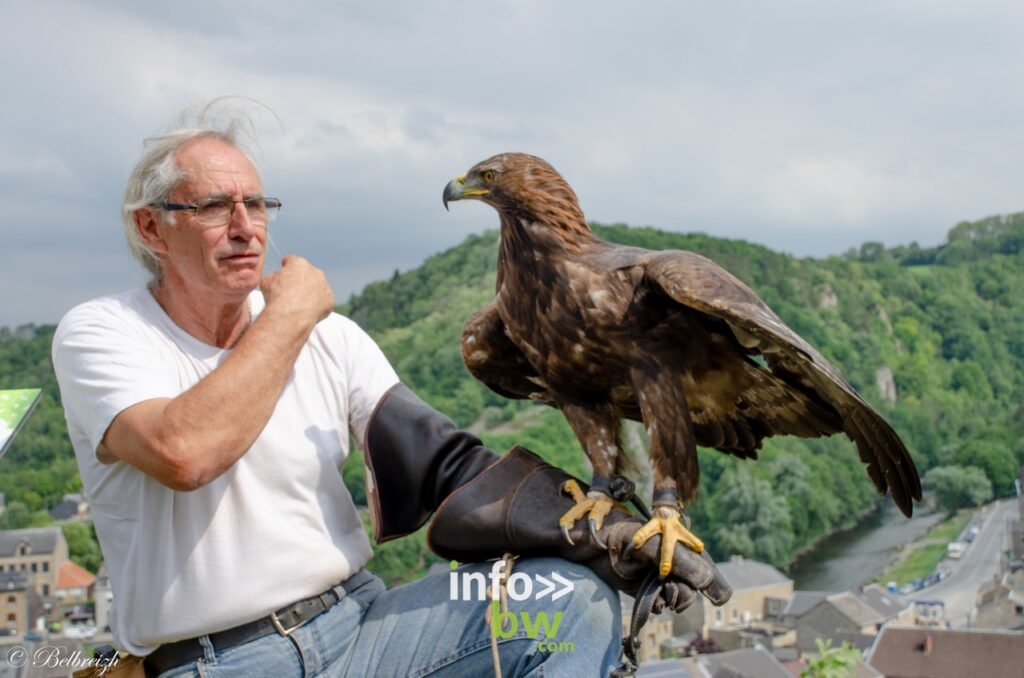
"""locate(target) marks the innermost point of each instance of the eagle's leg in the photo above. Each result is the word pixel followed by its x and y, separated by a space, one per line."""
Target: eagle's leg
pixel 597 428
pixel 673 453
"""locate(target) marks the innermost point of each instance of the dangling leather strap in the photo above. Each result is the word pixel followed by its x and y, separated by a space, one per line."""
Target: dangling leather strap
pixel 642 607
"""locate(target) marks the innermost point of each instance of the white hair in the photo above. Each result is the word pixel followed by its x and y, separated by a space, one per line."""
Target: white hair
pixel 157 173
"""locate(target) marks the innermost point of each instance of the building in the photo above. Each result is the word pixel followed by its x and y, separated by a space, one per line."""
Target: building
pixel 38 552
pixel 1015 535
pixel 916 652
pixel 929 612
pixel 799 604
pixel 655 633
pixel 752 663
pixel 757 587
pixel 72 507
pixel 855 616
pixel 74 583
pixel 103 598
pixel 1000 602
pixel 14 601
pixel 764 634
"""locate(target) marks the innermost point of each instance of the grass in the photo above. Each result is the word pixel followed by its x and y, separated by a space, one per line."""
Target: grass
pixel 918 559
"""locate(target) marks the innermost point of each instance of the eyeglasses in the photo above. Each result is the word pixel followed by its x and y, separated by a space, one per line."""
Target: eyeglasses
pixel 217 211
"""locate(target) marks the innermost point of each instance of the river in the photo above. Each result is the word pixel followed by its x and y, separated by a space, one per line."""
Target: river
pixel 848 559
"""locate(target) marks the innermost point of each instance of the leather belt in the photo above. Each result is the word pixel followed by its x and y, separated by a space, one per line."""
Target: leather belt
pixel 283 621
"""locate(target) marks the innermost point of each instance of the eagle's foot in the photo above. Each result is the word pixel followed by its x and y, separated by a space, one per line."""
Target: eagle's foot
pixel 596 503
pixel 667 522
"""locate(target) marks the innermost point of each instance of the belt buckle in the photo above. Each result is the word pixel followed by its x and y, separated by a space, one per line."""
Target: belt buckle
pixel 280 627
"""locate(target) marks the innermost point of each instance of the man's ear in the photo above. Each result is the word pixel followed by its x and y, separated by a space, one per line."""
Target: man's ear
pixel 151 227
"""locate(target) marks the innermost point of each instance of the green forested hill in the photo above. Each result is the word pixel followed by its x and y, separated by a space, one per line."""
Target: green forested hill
pixel 934 337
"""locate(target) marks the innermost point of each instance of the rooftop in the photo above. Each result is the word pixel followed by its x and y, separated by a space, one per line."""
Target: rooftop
pixel 40 540
pixel 74 576
pixel 750 574
pixel 871 605
pixel 802 602
pixel 855 609
pixel 881 600
pixel 749 663
pixel 913 652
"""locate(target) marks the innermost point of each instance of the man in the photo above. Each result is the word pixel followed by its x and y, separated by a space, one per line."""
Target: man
pixel 210 414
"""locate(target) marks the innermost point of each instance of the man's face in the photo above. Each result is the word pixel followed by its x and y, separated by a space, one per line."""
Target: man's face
pixel 219 263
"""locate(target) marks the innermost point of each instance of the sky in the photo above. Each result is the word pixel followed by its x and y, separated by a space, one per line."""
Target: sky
pixel 808 127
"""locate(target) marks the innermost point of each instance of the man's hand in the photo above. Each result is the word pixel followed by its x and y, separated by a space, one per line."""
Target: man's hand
pixel 299 289
pixel 691 572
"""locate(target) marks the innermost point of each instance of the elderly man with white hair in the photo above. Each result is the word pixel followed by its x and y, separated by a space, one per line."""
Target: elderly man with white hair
pixel 210 412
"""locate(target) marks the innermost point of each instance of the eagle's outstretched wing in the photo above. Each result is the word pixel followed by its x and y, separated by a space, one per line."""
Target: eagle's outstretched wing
pixel 698 283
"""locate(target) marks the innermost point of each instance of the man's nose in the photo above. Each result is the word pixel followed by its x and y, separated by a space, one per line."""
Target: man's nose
pixel 241 224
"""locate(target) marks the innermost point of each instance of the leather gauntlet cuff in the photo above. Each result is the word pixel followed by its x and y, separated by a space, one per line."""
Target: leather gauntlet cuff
pixel 415 457
pixel 514 505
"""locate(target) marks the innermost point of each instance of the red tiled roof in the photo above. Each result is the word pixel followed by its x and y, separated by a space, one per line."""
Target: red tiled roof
pixel 72 576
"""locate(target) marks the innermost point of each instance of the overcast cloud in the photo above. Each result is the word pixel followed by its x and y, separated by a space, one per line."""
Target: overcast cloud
pixel 808 127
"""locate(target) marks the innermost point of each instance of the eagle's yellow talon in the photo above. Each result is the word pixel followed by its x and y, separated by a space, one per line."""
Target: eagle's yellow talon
pixel 666 522
pixel 573 488
pixel 597 504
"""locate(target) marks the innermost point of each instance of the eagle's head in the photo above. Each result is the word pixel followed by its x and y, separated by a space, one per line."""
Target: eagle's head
pixel 518 184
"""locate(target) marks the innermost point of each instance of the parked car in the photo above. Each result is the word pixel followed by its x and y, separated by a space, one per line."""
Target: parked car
pixel 33 636
pixel 80 631
pixel 4 631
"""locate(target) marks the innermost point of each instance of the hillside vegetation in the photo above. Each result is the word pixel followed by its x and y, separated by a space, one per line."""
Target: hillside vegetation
pixel 933 337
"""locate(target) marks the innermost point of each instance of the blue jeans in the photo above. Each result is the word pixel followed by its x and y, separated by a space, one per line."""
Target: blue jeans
pixel 418 630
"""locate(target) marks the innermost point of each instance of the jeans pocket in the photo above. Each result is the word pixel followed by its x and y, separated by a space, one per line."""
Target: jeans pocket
pixel 189 670
pixel 365 595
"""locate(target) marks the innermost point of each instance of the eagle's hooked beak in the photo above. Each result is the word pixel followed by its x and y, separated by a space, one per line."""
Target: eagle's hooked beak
pixel 458 189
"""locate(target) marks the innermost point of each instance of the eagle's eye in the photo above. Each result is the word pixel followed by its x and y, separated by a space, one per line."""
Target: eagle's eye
pixel 487 176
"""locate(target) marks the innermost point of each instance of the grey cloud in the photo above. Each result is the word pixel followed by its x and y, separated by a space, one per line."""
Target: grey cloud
pixel 809 127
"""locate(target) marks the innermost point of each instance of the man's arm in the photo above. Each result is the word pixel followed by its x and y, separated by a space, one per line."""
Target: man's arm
pixel 187 441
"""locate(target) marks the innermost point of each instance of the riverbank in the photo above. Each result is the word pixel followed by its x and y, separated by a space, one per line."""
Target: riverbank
pixel 919 558
pixel 849 525
pixel 849 558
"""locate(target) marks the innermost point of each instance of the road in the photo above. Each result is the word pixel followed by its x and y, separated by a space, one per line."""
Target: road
pixel 981 561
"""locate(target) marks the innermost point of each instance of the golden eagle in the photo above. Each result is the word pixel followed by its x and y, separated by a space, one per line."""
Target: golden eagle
pixel 669 338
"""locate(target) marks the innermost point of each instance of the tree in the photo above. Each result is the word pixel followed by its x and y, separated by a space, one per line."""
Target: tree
pixel 353 473
pixel 15 517
pixel 958 486
pixel 831 662
pixel 753 520
pixel 83 547
pixel 996 460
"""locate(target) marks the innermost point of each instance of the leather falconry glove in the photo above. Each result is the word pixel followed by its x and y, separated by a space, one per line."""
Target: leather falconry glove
pixel 488 505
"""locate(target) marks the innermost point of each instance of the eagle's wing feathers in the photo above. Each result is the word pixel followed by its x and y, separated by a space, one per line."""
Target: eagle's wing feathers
pixel 698 283
pixel 491 357
pixel 739 403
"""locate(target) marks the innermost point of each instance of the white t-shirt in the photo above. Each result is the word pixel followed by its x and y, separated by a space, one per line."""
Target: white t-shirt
pixel 276 527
